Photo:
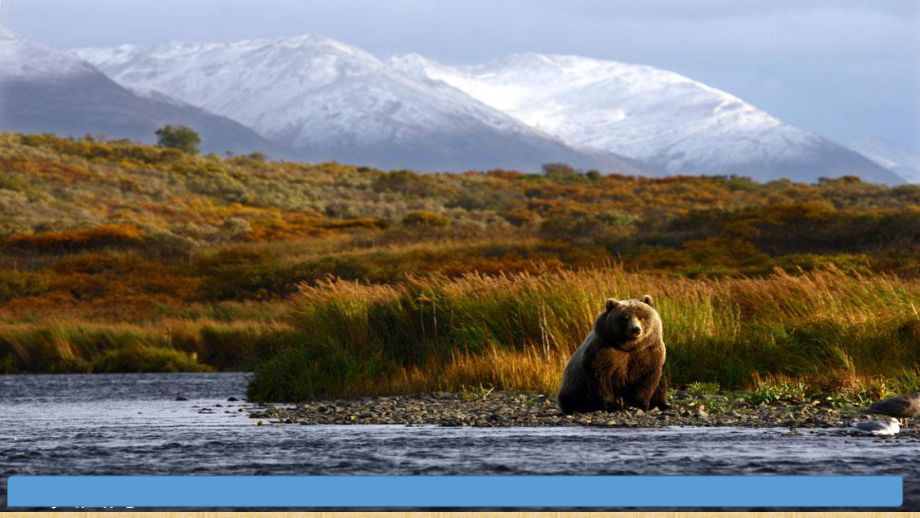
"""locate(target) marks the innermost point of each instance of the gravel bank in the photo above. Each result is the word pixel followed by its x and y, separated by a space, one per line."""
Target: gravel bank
pixel 523 409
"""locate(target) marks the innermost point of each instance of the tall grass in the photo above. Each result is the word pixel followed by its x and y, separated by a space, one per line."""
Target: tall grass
pixel 170 345
pixel 832 330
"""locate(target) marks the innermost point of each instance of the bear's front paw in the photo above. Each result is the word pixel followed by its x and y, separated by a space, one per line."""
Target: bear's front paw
pixel 614 404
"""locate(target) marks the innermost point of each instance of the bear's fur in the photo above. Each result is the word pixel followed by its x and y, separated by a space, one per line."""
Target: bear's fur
pixel 619 364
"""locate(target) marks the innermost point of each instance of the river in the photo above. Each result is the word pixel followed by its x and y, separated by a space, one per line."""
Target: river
pixel 122 424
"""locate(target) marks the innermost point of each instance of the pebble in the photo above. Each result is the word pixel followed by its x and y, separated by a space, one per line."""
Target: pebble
pixel 510 409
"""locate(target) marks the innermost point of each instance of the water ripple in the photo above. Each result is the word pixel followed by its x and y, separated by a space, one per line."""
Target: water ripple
pixel 132 424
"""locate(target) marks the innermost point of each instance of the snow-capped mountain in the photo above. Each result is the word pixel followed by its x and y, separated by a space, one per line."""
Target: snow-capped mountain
pixel 331 101
pixel 902 161
pixel 44 90
pixel 672 123
pixel 334 101
pixel 22 59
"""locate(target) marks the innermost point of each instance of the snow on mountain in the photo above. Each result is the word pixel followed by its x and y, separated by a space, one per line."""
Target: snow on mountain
pixel 890 156
pixel 22 59
pixel 44 90
pixel 675 124
pixel 337 102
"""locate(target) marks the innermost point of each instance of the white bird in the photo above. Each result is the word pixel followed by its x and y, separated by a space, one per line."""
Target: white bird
pixel 904 407
pixel 887 426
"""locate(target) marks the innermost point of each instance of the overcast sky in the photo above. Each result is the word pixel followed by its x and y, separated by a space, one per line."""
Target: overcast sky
pixel 842 68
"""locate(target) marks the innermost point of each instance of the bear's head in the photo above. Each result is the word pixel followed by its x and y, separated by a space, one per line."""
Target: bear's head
pixel 629 324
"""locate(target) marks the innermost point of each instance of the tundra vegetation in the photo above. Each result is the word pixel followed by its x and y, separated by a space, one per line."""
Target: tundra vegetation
pixel 338 280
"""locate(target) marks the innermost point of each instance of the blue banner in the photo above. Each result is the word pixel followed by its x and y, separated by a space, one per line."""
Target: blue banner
pixel 454 491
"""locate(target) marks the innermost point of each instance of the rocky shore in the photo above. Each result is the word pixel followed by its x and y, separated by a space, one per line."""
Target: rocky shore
pixel 508 409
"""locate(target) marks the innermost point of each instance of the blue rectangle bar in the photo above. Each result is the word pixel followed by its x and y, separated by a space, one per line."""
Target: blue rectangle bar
pixel 455 491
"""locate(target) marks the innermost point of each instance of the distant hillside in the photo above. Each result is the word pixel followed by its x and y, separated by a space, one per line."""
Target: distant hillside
pixel 52 184
pixel 904 162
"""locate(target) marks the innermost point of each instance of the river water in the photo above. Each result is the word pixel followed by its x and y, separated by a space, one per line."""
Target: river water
pixel 125 424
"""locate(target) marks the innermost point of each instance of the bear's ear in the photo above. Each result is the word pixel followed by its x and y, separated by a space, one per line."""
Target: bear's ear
pixel 648 300
pixel 612 303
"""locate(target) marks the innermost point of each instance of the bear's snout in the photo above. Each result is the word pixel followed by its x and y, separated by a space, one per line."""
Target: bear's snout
pixel 634 328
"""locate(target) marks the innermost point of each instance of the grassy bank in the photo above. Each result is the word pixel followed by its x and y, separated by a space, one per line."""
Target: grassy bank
pixel 824 331
pixel 169 345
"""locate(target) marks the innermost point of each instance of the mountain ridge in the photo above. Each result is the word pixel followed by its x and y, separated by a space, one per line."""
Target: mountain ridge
pixel 45 90
pixel 332 101
pixel 314 98
pixel 674 124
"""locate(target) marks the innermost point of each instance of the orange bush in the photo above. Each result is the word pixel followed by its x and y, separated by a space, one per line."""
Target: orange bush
pixel 425 219
pixel 78 239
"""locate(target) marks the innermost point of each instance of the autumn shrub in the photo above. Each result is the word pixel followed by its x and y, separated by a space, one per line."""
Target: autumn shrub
pixel 594 227
pixel 561 171
pixel 355 224
pixel 105 236
pixel 407 183
pixel 249 274
pixel 245 274
pixel 808 227
pixel 521 218
pixel 119 276
pixel 426 219
pixel 91 148
pixel 240 273
pixel 15 284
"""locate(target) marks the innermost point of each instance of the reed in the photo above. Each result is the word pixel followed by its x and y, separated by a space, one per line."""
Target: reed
pixel 832 331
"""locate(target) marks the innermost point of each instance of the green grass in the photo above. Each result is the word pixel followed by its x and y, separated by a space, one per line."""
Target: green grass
pixel 698 388
pixel 827 330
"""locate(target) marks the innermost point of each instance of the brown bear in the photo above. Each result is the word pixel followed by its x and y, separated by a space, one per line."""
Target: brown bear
pixel 619 364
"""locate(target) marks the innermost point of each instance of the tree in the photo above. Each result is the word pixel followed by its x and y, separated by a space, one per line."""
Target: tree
pixel 179 137
pixel 564 172
pixel 559 170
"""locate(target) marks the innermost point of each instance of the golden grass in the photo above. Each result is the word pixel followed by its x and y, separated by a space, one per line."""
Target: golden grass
pixel 516 331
